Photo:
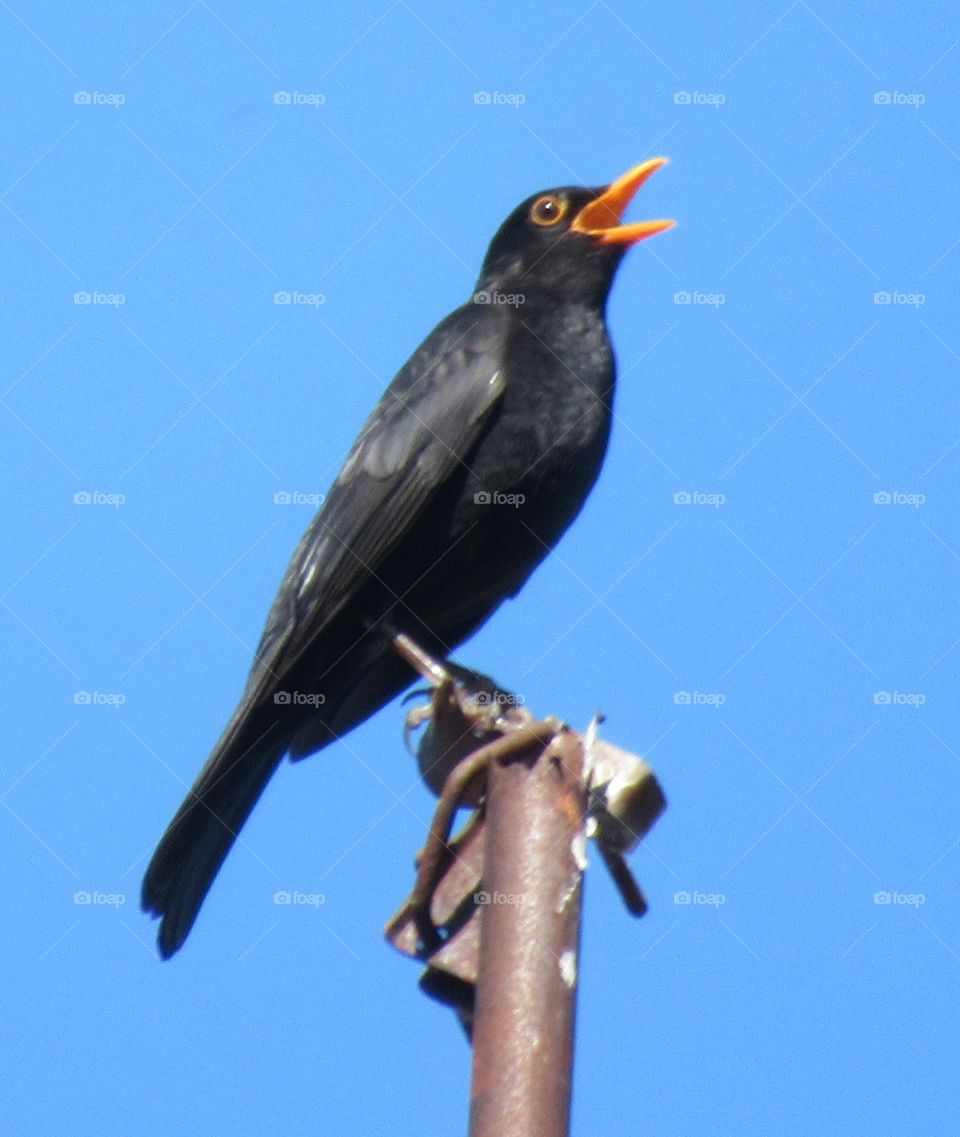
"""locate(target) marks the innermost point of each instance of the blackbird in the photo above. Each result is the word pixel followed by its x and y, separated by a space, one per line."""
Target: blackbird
pixel 475 460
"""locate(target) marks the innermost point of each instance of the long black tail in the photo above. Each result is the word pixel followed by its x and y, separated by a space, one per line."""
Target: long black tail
pixel 253 744
pixel 198 839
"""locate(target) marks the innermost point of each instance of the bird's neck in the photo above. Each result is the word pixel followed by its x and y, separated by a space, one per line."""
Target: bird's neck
pixel 569 328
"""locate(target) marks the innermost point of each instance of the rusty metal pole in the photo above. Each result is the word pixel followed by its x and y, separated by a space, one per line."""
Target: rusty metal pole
pixel 529 941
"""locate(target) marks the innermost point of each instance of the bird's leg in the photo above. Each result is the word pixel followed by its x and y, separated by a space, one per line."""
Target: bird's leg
pixel 408 649
pixel 486 705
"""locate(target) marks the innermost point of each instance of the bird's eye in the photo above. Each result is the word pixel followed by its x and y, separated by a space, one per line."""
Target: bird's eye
pixel 548 210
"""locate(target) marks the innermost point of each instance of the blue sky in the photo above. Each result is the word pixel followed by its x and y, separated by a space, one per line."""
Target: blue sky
pixel 761 593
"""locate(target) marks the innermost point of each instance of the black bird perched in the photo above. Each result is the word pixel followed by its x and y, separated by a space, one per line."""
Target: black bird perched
pixel 477 457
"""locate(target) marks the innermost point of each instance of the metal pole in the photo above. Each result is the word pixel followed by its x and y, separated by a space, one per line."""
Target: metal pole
pixel 529 938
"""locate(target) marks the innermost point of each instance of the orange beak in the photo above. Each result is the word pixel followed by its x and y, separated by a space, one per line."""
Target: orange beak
pixel 600 218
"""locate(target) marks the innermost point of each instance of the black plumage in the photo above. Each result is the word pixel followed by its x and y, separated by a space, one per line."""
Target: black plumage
pixel 469 469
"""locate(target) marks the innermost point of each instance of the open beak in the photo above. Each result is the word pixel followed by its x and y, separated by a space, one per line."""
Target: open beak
pixel 600 218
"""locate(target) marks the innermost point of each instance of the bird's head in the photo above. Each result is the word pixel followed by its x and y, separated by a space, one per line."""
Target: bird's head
pixel 568 240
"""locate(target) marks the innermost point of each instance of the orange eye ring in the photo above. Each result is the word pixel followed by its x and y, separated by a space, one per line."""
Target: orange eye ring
pixel 548 210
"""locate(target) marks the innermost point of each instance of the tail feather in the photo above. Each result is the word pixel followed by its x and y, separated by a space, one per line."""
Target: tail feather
pixel 252 746
pixel 205 827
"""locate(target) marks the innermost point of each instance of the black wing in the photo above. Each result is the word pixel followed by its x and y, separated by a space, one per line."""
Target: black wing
pixel 418 435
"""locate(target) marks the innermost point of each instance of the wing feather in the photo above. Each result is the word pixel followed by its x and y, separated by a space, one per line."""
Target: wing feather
pixel 420 433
